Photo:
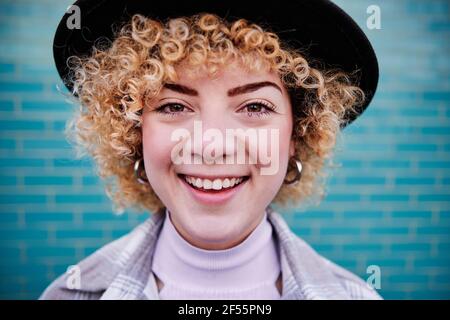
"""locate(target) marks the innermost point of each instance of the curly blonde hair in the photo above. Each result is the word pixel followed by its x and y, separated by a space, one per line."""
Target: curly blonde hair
pixel 115 81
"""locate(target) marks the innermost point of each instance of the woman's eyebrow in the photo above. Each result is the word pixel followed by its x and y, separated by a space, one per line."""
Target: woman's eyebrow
pixel 250 87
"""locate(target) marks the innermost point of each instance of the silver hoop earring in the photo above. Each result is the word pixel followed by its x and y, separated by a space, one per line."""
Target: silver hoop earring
pixel 297 166
pixel 139 172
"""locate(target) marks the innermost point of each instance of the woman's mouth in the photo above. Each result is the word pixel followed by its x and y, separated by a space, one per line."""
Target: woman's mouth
pixel 213 190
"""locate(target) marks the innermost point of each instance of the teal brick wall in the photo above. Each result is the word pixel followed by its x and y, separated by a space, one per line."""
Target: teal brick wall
pixel 387 205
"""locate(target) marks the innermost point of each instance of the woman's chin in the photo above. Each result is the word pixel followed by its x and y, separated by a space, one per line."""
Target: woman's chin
pixel 211 230
pixel 212 240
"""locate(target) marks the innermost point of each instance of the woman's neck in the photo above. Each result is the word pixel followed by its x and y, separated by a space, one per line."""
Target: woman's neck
pixel 249 268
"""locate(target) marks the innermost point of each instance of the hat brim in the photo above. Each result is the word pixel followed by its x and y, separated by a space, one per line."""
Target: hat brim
pixel 327 36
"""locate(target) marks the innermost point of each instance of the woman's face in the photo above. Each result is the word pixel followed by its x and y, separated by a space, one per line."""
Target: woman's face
pixel 216 151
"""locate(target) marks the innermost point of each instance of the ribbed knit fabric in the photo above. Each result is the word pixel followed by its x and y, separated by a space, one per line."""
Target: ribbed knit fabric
pixel 248 270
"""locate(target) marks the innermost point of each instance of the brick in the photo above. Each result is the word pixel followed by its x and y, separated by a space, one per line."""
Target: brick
pixel 22 125
pixel 18 87
pixel 48 180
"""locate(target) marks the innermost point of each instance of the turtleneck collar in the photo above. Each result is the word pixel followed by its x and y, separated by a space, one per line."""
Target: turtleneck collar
pixel 251 267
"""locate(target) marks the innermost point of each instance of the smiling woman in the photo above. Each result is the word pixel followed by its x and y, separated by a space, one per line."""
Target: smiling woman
pixel 205 217
pixel 213 233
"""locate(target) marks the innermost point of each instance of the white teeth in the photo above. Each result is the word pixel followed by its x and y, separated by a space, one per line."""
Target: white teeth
pixel 216 184
pixel 207 184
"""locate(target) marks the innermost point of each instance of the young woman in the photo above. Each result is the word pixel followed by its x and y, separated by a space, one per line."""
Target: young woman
pixel 205 118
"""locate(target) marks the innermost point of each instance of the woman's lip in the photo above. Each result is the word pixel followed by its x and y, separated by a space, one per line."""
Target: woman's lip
pixel 201 176
pixel 215 197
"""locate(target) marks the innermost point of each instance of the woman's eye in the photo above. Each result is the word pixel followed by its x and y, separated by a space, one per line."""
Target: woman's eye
pixel 255 108
pixel 258 109
pixel 172 108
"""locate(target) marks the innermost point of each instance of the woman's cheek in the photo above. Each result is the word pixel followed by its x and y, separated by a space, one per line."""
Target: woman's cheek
pixel 278 147
pixel 157 147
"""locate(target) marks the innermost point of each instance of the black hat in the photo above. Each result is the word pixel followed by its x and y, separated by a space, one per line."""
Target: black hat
pixel 324 32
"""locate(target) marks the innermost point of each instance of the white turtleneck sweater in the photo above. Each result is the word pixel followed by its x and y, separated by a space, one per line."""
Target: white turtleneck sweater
pixel 248 270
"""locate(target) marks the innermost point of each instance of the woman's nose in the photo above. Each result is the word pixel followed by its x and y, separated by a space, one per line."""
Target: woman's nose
pixel 216 141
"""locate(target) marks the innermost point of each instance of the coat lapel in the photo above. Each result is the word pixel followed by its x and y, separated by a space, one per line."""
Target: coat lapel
pixel 132 282
pixel 305 275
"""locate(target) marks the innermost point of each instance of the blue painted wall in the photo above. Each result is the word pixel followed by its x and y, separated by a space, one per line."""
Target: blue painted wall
pixel 388 205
